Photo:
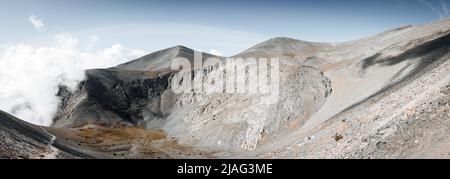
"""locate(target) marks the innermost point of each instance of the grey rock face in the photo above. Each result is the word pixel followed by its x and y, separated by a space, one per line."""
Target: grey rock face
pixel 232 121
pixel 122 95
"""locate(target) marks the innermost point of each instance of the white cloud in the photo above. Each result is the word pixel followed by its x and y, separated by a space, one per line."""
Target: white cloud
pixel 92 41
pixel 216 52
pixel 37 23
pixel 30 75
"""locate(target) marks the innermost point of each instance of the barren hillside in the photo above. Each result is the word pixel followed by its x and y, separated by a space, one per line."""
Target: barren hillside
pixel 384 96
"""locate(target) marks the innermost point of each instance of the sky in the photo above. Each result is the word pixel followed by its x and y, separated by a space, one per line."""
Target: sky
pixel 47 43
pixel 229 26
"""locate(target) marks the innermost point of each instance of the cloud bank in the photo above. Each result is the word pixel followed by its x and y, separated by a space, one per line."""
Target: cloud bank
pixel 30 75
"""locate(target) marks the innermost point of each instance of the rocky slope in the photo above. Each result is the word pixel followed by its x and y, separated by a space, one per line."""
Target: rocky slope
pixel 385 96
pixel 20 139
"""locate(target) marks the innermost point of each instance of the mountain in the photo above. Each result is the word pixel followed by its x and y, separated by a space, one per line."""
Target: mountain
pixel 384 96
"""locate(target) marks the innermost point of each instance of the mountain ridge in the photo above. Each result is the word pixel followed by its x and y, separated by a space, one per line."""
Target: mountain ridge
pixel 337 100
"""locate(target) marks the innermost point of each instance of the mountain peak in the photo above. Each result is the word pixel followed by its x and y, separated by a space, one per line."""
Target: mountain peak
pixel 158 60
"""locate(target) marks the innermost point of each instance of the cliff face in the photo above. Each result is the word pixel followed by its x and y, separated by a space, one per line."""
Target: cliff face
pixel 384 96
pixel 113 97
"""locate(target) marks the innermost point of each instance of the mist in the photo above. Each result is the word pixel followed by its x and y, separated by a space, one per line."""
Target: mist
pixel 30 75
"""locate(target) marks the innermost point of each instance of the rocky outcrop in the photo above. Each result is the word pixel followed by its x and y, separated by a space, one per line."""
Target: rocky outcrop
pixel 114 97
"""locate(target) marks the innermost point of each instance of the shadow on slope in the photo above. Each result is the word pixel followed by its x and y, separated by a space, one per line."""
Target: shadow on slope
pixel 424 56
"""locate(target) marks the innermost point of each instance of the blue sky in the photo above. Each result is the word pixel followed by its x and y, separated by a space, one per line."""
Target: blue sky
pixel 229 26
